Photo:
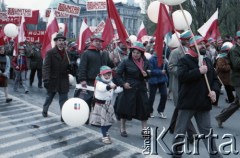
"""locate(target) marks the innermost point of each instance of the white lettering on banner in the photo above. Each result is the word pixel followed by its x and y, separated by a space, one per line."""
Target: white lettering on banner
pixel 35 35
pixel 19 12
pixel 69 9
pixel 93 6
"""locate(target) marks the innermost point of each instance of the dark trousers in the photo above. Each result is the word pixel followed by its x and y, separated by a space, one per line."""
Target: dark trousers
pixel 204 126
pixel 63 97
pixel 231 109
pixel 190 128
pixel 104 130
pixel 152 93
pixel 39 76
pixel 229 91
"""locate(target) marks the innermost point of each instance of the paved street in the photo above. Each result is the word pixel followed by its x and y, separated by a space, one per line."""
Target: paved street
pixel 25 133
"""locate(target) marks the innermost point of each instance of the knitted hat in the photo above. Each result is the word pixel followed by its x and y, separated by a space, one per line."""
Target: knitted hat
pixel 211 40
pixel 138 45
pixel 198 39
pixel 225 48
pixel 97 37
pixel 21 47
pixel 238 34
pixel 185 35
pixel 105 69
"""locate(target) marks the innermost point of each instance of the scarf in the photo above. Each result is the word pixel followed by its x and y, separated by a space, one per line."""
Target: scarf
pixel 139 63
pixel 192 53
pixel 61 52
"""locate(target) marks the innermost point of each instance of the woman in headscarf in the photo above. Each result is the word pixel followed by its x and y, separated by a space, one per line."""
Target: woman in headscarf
pixel 133 101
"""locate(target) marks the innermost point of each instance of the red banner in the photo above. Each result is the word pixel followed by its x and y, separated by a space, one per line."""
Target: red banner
pixel 35 36
pixel 69 9
pixel 17 20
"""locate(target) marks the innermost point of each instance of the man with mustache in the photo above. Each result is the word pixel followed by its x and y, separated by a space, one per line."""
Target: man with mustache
pixel 194 98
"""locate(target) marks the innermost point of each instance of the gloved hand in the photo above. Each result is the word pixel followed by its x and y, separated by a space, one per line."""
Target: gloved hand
pixel 46 84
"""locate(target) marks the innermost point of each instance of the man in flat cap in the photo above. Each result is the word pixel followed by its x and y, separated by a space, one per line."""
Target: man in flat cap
pixel 55 74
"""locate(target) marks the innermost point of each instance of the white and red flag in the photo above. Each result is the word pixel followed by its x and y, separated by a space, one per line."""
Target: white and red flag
pixel 84 34
pixel 210 28
pixel 22 31
pixel 142 32
pixel 51 31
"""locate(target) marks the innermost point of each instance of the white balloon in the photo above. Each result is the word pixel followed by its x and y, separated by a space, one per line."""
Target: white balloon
pixel 61 27
pixel 71 79
pixel 75 112
pixel 179 20
pixel 133 38
pixel 11 30
pixel 172 2
pixel 227 43
pixel 147 55
pixel 174 42
pixel 153 10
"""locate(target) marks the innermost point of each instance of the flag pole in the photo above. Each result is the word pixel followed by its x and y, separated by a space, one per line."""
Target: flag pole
pixel 195 43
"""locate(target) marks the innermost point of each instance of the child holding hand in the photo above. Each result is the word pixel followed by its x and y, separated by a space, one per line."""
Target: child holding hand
pixel 103 113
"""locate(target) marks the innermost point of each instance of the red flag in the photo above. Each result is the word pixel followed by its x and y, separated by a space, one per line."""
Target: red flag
pixel 164 26
pixel 142 32
pixel 84 34
pixel 33 19
pixel 108 33
pixel 3 36
pixel 113 14
pixel 52 29
pixel 210 28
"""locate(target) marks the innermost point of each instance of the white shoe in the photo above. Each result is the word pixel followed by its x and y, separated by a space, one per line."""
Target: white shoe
pixel 151 115
pixel 162 115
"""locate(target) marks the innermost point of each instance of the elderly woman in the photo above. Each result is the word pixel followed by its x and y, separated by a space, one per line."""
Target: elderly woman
pixel 131 75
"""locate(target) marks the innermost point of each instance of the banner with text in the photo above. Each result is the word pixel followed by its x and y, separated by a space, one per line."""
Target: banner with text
pixel 14 20
pixel 69 9
pixel 35 36
pixel 19 12
pixel 58 14
pixel 3 15
pixel 96 5
pixel 99 28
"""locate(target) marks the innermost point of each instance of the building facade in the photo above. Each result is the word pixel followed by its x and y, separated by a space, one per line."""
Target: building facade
pixel 130 15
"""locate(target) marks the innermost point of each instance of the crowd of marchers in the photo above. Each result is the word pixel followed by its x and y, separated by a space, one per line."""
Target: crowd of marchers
pixel 126 77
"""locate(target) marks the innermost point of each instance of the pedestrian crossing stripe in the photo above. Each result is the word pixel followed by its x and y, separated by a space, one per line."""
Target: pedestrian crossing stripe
pixel 83 131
